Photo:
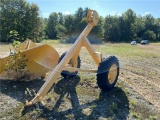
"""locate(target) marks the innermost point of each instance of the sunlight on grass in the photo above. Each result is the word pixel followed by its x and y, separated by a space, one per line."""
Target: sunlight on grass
pixel 118 49
pixel 54 41
pixel 127 50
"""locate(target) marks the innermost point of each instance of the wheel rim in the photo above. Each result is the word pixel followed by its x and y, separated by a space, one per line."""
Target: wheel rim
pixel 112 73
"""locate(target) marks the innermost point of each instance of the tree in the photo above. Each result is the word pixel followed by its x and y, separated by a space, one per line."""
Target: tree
pixel 139 27
pixel 70 24
pixel 44 22
pixel 129 19
pixel 81 25
pixel 21 16
pixel 149 22
pixel 51 25
pixel 99 29
pixel 61 18
pixel 156 28
pixel 111 27
pixel 60 31
pixel 149 35
pixel 80 19
pixel 120 28
pixel 79 15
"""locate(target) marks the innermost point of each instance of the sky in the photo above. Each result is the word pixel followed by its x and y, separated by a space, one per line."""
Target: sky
pixel 103 7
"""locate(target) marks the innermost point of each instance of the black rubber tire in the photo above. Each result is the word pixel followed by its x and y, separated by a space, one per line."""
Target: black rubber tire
pixel 102 73
pixel 65 73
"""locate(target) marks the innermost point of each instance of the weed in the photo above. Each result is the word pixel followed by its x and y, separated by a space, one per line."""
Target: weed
pixel 136 115
pixel 16 63
pixel 92 106
pixel 153 117
pixel 133 103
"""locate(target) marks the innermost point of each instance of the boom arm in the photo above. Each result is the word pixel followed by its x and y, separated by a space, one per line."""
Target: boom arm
pixel 92 19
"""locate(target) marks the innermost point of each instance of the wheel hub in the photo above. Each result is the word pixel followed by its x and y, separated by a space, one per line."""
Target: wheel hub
pixel 112 73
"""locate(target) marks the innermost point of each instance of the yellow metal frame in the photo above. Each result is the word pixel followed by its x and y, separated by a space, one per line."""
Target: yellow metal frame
pixel 40 60
pixel 82 41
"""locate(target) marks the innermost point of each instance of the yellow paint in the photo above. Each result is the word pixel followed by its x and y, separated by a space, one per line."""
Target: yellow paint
pixel 41 59
pixel 92 19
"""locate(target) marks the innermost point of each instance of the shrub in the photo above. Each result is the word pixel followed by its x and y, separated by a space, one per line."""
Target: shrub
pixel 16 63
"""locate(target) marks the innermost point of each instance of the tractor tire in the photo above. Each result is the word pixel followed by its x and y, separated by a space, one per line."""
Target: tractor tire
pixel 108 72
pixel 65 73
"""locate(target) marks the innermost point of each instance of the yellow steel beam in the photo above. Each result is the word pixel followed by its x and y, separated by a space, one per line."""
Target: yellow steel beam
pixel 73 69
pixel 92 19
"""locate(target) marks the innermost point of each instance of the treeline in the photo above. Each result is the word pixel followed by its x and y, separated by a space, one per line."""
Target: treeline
pixel 129 26
pixel 23 18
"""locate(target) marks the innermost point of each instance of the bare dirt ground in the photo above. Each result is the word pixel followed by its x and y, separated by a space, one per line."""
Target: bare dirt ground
pixel 136 95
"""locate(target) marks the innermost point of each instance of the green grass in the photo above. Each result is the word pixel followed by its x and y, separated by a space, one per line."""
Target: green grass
pixel 119 49
pixel 132 103
pixel 54 41
pixel 136 115
pixel 127 50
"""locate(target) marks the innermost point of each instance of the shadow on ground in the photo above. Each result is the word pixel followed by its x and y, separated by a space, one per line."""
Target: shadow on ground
pixel 18 89
pixel 111 105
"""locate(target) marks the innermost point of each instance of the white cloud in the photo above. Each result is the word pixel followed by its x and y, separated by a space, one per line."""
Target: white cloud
pixel 113 13
pixel 66 13
pixel 119 14
pixel 45 15
pixel 146 13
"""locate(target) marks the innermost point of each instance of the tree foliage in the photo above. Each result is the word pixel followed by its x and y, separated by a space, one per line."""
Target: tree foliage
pixel 149 35
pixel 20 16
pixel 51 25
pixel 128 27
pixel 23 17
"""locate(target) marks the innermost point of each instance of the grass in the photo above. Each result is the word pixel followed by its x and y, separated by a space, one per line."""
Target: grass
pixel 127 50
pixel 153 117
pixel 138 110
pixel 88 96
pixel 136 115
pixel 54 41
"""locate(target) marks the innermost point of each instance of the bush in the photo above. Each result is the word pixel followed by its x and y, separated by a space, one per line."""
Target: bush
pixel 16 63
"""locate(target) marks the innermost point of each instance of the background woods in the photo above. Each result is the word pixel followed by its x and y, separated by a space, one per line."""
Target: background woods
pixel 23 17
